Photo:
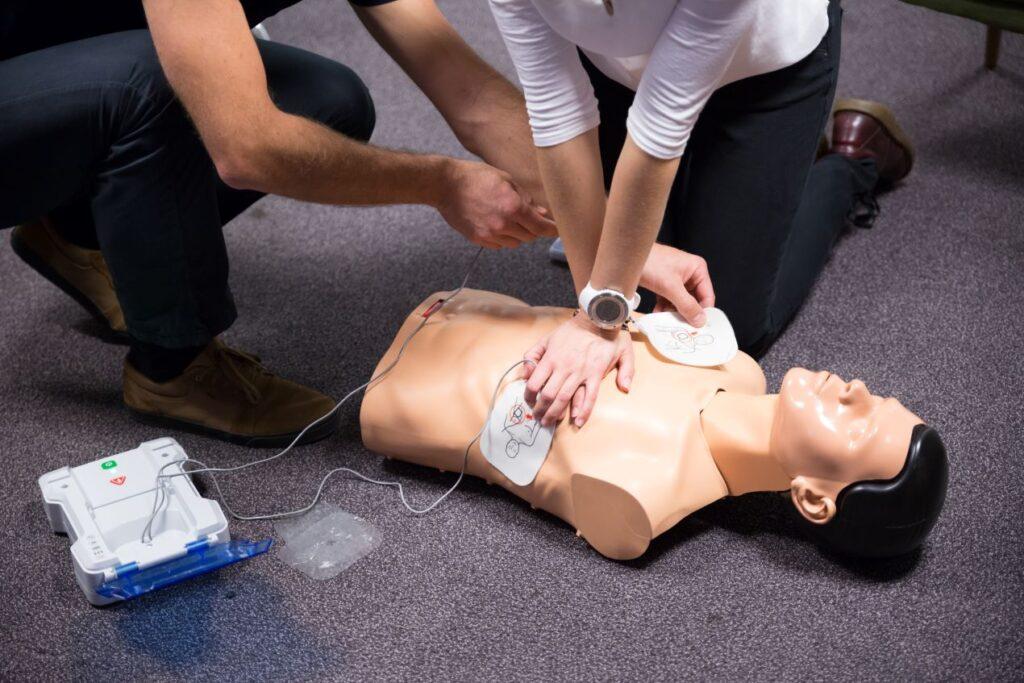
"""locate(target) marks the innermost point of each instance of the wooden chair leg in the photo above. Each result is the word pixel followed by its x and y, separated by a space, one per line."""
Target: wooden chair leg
pixel 992 37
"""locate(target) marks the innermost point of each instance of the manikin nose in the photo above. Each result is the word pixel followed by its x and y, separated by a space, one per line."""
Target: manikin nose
pixel 854 392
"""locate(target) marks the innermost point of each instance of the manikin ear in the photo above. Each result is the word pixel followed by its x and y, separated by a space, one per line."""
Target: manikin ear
pixel 812 500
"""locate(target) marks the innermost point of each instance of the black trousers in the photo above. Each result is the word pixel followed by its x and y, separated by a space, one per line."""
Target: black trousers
pixel 750 197
pixel 91 134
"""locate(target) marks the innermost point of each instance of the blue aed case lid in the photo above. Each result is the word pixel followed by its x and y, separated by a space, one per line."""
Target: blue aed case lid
pixel 200 558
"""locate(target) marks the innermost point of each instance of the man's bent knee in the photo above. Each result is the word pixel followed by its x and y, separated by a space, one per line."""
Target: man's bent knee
pixel 308 85
pixel 345 103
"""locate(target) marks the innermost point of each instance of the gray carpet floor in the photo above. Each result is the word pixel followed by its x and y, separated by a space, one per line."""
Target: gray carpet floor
pixel 926 306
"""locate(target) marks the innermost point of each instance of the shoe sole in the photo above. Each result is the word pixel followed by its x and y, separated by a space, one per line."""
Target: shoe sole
pixel 36 263
pixel 318 433
pixel 884 115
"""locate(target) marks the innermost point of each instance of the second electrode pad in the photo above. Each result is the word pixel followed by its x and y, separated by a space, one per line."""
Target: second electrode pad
pixel 713 344
pixel 325 541
pixel 513 441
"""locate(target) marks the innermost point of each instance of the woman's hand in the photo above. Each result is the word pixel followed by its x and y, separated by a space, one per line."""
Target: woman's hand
pixel 569 365
pixel 681 281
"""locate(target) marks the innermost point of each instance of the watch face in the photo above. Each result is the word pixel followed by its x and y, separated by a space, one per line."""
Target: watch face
pixel 608 310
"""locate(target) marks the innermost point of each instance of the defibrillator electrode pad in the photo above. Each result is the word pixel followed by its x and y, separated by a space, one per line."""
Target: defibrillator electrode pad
pixel 675 339
pixel 514 441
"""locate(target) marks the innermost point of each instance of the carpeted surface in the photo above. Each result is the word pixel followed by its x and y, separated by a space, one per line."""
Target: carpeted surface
pixel 927 307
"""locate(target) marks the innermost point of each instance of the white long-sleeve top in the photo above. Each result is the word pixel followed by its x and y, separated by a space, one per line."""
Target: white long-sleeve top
pixel 673 53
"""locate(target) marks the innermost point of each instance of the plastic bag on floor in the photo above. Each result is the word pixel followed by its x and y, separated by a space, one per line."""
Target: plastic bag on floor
pixel 325 541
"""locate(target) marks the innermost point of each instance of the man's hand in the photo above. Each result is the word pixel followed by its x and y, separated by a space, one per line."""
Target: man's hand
pixel 681 281
pixel 488 209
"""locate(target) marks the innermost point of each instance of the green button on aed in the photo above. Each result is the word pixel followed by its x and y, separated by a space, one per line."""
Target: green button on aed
pixel 108 464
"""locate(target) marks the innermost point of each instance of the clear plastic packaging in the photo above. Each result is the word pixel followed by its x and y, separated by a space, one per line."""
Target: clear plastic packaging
pixel 325 541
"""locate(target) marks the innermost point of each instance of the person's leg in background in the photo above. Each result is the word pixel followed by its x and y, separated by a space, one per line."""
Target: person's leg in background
pixel 738 198
pixel 752 200
pixel 749 196
pixel 109 130
pixel 301 83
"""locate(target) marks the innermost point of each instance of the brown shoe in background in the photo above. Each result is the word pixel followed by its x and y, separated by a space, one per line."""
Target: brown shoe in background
pixel 81 273
pixel 228 394
pixel 862 129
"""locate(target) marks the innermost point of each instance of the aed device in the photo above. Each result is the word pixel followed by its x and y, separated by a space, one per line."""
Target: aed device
pixel 105 506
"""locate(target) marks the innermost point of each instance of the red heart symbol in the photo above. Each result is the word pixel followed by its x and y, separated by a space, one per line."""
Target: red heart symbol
pixel 119 479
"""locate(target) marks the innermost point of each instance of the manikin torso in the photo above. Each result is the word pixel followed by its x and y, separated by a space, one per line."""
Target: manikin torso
pixel 639 465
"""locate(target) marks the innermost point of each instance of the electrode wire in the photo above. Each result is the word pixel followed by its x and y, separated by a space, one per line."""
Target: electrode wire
pixel 161 496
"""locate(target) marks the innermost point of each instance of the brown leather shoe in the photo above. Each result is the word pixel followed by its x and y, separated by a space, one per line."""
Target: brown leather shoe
pixel 864 129
pixel 81 273
pixel 823 147
pixel 227 394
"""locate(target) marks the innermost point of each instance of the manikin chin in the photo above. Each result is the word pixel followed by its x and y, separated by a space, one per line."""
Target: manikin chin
pixel 867 477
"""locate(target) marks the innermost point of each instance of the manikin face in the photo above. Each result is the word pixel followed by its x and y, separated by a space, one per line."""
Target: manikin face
pixel 829 433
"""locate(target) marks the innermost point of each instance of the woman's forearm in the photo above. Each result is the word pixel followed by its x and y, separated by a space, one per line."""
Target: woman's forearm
pixel 606 242
pixel 574 182
pixel 635 210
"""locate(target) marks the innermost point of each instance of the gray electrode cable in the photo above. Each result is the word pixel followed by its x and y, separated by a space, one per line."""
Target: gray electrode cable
pixel 161 495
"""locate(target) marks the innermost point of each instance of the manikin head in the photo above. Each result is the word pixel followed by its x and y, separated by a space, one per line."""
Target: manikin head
pixel 868 477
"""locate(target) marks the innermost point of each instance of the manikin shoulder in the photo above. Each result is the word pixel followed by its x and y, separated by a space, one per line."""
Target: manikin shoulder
pixel 743 375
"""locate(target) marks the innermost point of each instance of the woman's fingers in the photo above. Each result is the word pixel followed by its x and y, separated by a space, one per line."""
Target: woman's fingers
pixel 562 396
pixel 538 378
pixel 589 390
pixel 626 368
pixel 699 283
pixel 532 358
pixel 687 306
pixel 548 393
pixel 571 357
pixel 577 403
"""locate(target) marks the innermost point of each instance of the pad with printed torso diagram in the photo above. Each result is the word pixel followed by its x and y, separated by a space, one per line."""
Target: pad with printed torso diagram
pixel 707 346
pixel 514 441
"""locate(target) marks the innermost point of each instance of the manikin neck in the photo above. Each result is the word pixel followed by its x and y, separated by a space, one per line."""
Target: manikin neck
pixel 738 429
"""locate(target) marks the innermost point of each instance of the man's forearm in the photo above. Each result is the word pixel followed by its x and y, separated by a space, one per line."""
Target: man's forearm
pixel 305 160
pixel 212 62
pixel 496 128
pixel 485 111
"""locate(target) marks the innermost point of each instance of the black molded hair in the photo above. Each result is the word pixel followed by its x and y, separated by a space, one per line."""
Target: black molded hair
pixel 877 519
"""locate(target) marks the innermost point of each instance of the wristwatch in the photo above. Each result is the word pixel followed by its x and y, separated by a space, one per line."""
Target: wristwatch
pixel 607 308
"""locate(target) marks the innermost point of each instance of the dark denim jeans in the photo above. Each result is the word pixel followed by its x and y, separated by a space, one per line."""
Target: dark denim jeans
pixel 91 134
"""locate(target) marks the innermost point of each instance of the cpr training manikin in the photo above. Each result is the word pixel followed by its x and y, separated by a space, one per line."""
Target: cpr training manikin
pixel 867 477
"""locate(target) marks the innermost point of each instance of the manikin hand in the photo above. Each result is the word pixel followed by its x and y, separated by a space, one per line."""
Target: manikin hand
pixel 489 210
pixel 681 281
pixel 568 366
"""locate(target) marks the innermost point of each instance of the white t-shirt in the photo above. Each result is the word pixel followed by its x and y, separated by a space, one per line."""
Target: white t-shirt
pixel 673 53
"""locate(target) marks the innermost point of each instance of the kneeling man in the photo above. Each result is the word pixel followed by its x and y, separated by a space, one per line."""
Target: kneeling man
pixel 131 131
